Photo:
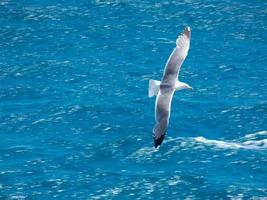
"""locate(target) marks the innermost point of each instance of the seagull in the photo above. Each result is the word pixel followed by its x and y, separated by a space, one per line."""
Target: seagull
pixel 165 88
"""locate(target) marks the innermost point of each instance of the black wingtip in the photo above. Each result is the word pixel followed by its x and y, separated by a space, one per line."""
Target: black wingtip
pixel 187 31
pixel 187 28
pixel 158 141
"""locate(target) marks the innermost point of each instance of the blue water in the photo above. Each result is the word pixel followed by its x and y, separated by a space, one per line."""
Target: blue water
pixel 75 119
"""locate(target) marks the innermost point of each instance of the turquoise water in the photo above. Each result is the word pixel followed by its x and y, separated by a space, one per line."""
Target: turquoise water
pixel 75 119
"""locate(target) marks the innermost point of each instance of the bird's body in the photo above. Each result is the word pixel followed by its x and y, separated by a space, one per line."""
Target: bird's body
pixel 169 83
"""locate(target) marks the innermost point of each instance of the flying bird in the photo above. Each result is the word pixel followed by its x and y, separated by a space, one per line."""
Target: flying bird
pixel 165 88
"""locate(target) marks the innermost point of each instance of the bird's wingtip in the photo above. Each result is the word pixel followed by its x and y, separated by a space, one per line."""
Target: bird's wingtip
pixel 187 28
pixel 158 141
pixel 187 31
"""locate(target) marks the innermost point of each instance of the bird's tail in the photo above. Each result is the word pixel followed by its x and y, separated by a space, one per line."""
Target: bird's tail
pixel 153 87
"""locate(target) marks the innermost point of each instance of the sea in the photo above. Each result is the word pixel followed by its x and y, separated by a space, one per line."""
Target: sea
pixel 75 118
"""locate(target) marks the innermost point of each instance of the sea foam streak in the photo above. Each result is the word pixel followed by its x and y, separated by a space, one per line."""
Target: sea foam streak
pixel 249 144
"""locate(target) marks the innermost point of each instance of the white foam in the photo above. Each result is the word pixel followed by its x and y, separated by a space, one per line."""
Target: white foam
pixel 39 121
pixel 220 144
pixel 108 194
pixel 145 152
pixel 259 133
pixel 251 144
pixel 174 181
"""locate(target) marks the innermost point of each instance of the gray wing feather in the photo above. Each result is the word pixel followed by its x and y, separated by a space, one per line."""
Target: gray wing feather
pixel 162 111
pixel 176 58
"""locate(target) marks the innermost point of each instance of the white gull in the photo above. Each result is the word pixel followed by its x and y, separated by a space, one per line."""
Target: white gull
pixel 165 88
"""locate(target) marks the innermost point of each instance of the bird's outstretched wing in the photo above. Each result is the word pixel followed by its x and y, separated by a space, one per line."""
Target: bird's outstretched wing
pixel 162 113
pixel 176 58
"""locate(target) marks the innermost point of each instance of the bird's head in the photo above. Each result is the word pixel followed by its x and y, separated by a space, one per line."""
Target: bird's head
pixel 182 86
pixel 186 86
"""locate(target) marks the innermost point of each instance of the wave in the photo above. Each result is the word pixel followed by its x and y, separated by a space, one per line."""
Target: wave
pixel 253 143
pixel 254 135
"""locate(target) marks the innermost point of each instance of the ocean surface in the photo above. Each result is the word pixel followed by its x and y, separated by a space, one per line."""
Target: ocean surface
pixel 75 118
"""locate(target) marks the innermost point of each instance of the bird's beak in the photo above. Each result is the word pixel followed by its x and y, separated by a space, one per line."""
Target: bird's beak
pixel 190 88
